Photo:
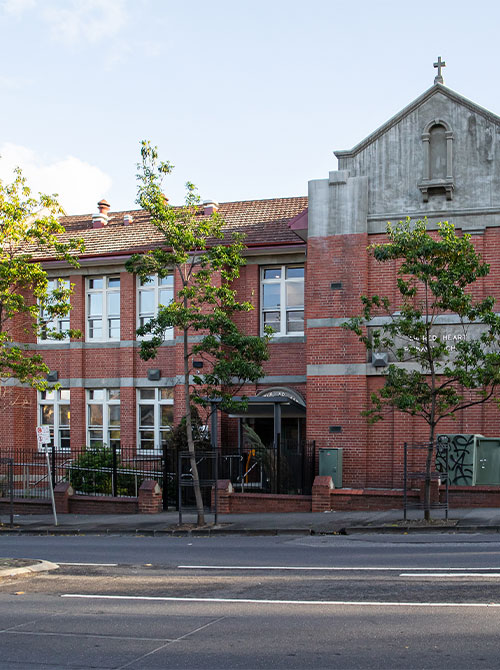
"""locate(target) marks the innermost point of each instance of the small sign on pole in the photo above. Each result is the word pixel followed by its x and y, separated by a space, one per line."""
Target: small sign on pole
pixel 42 435
pixel 43 438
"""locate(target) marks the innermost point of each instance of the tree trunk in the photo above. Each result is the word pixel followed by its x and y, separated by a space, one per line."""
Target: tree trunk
pixel 190 441
pixel 428 468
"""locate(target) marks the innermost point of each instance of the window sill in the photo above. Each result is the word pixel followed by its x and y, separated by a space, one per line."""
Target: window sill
pixel 286 339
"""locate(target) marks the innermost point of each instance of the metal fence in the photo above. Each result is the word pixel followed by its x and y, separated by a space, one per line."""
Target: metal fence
pixel 289 469
pixel 207 466
pixel 415 455
pixel 96 472
pixel 107 471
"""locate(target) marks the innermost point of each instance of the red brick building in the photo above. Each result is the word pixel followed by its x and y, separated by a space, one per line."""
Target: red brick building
pixel 307 265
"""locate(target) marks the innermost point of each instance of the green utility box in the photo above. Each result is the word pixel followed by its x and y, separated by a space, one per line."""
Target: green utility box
pixel 473 460
pixel 330 464
pixel 461 457
pixel 487 461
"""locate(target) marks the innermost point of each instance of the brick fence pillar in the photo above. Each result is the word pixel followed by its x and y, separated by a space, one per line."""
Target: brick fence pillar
pixel 224 491
pixel 321 488
pixel 150 497
pixel 62 493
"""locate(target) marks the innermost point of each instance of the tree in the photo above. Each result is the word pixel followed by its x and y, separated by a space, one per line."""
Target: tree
pixel 29 229
pixel 205 264
pixel 435 277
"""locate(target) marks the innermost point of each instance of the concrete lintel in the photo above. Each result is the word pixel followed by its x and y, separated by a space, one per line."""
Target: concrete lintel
pixel 337 370
pixel 283 379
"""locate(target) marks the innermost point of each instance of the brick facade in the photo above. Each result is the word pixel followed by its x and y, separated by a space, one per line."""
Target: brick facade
pixel 379 180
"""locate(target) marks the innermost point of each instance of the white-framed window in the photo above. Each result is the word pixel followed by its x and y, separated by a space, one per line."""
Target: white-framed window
pixel 103 418
pixel 103 308
pixel 48 323
pixel 54 411
pixel 152 292
pixel 282 299
pixel 155 417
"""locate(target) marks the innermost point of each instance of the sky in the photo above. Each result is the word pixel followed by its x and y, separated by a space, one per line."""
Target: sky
pixel 248 99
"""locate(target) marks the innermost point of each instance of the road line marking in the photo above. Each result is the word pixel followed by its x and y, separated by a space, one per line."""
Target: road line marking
pixel 312 568
pixel 178 639
pixel 450 574
pixel 87 635
pixel 252 601
pixel 105 565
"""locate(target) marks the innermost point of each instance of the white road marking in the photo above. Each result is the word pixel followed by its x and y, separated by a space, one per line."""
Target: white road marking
pixel 178 639
pixel 252 601
pixel 450 574
pixel 312 568
pixel 104 565
pixel 35 633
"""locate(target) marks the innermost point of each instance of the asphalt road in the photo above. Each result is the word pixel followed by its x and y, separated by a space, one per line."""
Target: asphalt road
pixel 254 602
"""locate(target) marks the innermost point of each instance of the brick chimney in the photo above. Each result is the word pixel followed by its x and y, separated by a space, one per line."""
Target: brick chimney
pixel 210 207
pixel 101 219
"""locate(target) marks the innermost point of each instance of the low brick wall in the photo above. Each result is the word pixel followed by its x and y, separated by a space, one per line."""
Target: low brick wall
pixel 102 505
pixel 471 496
pixel 247 503
pixel 149 501
pixel 369 499
pixel 22 506
pixel 324 498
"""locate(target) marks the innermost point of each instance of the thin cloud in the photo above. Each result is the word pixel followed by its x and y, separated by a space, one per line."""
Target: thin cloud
pixel 17 8
pixel 79 185
pixel 85 20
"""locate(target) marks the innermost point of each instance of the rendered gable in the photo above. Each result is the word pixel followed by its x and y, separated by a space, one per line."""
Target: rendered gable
pixel 392 160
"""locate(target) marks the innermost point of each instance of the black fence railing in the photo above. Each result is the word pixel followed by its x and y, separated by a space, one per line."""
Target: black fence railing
pixel 107 471
pixel 96 472
pixel 414 470
pixel 7 484
pixel 289 469
pixel 207 467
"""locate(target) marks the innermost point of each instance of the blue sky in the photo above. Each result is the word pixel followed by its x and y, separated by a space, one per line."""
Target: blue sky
pixel 247 99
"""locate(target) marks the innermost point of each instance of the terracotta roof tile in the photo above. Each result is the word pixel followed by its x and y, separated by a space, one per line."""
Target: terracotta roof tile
pixel 262 222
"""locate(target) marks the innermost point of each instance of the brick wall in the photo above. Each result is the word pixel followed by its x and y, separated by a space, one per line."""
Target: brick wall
pixel 373 455
pixel 255 503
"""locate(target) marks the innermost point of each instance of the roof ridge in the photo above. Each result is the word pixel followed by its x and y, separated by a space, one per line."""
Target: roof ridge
pixel 78 218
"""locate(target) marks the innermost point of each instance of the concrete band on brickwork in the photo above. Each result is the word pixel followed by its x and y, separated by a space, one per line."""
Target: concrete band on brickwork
pixel 124 344
pixel 469 220
pixel 254 255
pixel 142 382
pixel 443 320
pixel 116 344
pixel 337 369
pixel 353 369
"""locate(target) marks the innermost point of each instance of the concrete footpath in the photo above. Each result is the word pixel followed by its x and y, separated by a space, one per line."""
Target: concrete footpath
pixel 166 523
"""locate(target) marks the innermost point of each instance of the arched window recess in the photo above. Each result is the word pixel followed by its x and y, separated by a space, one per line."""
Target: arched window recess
pixel 437 144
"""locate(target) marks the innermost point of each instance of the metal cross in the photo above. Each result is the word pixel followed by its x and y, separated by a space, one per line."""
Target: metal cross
pixel 438 79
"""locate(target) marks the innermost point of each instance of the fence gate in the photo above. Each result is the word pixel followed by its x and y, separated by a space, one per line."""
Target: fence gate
pixel 7 484
pixel 207 466
pixel 289 469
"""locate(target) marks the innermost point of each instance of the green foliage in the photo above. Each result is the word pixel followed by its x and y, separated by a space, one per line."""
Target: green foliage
pixel 205 264
pixel 92 471
pixel 29 229
pixel 177 438
pixel 435 279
